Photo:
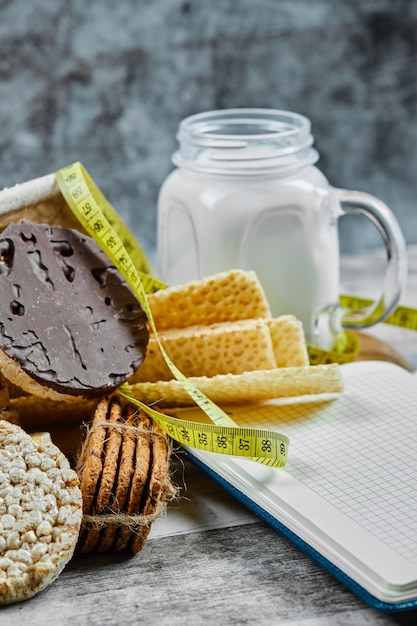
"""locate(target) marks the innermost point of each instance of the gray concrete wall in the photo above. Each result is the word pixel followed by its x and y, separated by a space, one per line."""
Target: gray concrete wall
pixel 107 83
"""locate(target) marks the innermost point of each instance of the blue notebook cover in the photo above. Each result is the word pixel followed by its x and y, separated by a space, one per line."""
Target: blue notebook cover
pixel 311 552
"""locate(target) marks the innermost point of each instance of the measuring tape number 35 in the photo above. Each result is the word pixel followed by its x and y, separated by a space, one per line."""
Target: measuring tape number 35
pixel 223 435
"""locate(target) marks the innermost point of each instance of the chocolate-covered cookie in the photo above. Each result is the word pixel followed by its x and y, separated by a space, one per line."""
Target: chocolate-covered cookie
pixel 69 323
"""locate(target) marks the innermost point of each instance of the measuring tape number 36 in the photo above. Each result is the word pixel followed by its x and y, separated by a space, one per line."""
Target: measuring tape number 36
pixel 223 435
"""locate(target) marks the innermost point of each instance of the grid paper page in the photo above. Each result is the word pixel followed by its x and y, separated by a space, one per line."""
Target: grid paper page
pixel 358 452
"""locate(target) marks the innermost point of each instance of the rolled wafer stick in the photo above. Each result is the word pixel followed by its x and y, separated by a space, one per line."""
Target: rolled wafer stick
pixel 254 386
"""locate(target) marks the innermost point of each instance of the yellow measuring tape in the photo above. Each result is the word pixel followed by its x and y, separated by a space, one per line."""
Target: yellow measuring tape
pixel 346 349
pixel 402 316
pixel 102 223
pixel 347 345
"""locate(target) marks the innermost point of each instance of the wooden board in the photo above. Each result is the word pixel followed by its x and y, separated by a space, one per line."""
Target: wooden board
pixel 375 349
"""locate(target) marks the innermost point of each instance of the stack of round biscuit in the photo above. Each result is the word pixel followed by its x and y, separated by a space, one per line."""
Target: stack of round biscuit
pixel 124 474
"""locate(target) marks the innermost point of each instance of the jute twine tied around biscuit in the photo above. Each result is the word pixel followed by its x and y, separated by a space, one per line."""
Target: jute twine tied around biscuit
pixel 132 522
pixel 168 492
pixel 122 427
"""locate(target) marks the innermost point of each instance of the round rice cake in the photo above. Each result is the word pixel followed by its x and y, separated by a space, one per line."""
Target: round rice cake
pixel 40 513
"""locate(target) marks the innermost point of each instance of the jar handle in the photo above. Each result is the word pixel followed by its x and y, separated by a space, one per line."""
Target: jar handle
pixel 366 205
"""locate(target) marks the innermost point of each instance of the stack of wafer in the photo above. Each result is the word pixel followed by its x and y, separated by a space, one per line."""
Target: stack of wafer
pixel 219 332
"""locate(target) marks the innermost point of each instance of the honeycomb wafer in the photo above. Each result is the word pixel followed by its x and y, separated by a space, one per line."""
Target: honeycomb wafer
pixel 224 297
pixel 255 386
pixel 288 341
pixel 229 347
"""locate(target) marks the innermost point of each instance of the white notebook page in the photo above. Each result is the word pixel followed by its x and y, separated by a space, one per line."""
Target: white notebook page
pixel 357 455
pixel 365 464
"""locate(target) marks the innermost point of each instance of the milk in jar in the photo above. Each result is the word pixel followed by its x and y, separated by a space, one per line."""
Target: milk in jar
pixel 246 193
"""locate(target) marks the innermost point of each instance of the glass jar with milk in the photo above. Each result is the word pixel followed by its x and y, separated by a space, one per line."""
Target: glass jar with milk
pixel 246 194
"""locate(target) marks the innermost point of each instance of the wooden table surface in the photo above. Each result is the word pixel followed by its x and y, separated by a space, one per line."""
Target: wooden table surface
pixel 210 561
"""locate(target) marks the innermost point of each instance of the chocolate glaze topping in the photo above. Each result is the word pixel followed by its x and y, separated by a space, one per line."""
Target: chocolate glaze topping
pixel 66 315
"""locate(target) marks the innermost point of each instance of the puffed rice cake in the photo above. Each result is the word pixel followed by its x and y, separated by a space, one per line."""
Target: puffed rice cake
pixel 40 512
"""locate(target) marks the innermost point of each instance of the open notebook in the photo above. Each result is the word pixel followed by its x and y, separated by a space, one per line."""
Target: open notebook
pixel 348 494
